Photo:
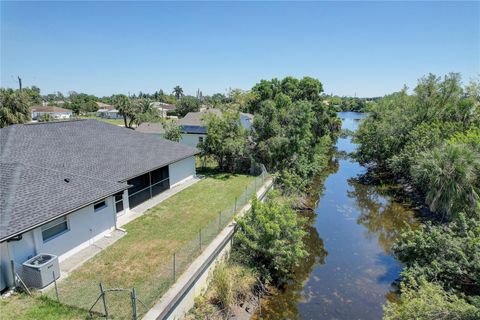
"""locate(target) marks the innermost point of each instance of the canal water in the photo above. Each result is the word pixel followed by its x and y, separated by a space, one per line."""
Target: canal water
pixel 350 270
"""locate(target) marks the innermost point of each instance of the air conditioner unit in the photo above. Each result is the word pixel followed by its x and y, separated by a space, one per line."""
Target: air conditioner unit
pixel 41 270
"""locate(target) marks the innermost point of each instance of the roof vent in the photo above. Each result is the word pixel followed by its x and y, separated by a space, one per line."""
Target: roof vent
pixel 67 180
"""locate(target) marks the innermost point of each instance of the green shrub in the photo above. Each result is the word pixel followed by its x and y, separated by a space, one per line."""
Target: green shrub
pixel 428 301
pixel 270 238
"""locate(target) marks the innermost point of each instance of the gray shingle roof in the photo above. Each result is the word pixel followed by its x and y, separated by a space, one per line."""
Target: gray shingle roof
pixel 151 127
pixel 197 118
pixel 31 195
pixel 99 155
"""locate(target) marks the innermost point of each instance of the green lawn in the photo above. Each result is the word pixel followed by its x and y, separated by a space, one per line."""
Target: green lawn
pixel 143 258
pixel 118 122
pixel 22 306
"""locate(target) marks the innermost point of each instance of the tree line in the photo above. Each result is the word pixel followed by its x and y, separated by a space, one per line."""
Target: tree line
pixel 15 105
pixel 430 140
pixel 353 104
pixel 292 131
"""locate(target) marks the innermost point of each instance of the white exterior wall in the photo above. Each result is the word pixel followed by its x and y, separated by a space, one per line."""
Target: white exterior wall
pixel 191 139
pixel 85 227
pixel 181 170
pixel 55 115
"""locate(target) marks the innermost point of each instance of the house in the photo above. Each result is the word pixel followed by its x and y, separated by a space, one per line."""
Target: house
pixel 104 106
pixel 193 126
pixel 109 114
pixel 64 184
pixel 164 108
pixel 107 111
pixel 55 112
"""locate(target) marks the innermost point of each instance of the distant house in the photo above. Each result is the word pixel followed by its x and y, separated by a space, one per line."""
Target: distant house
pixel 107 111
pixel 63 184
pixel 109 114
pixel 163 108
pixel 104 106
pixel 55 112
pixel 193 126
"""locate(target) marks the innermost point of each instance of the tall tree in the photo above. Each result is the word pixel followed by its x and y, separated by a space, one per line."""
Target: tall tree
pixel 14 107
pixel 124 106
pixel 226 141
pixel 178 92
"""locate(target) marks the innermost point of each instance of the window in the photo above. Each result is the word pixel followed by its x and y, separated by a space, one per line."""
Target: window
pixel 99 205
pixel 119 202
pixel 200 139
pixel 54 228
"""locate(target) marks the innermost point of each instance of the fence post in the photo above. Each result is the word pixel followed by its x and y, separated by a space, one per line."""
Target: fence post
pixel 235 204
pixel 55 282
pixel 174 266
pixel 104 298
pixel 200 238
pixel 219 220
pixel 134 304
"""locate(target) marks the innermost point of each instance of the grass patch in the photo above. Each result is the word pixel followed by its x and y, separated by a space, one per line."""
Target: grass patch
pixel 118 122
pixel 22 306
pixel 143 258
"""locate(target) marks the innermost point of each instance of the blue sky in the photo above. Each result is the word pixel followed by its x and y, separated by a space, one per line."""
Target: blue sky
pixel 362 48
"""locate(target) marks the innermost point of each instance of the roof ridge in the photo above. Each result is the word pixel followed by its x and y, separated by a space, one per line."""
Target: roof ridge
pixel 53 122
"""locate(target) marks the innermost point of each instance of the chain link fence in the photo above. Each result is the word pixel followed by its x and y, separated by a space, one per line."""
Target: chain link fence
pixel 102 296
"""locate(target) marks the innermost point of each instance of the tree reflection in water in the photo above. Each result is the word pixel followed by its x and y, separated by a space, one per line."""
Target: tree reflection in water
pixel 285 305
pixel 379 214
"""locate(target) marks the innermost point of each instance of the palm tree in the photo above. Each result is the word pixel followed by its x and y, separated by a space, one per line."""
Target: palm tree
pixel 145 112
pixel 449 175
pixel 178 92
pixel 124 106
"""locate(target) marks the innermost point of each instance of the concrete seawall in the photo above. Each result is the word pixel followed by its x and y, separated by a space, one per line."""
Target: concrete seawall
pixel 180 298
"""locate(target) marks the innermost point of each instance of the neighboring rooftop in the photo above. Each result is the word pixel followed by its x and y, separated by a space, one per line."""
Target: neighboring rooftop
pixel 96 157
pixel 106 106
pixel 51 109
pixel 151 127
pixel 163 105
pixel 197 118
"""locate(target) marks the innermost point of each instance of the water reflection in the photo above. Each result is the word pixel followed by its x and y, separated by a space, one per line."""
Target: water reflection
pixel 383 218
pixel 284 304
pixel 349 271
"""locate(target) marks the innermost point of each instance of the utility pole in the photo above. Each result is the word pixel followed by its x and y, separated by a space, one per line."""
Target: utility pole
pixel 20 82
